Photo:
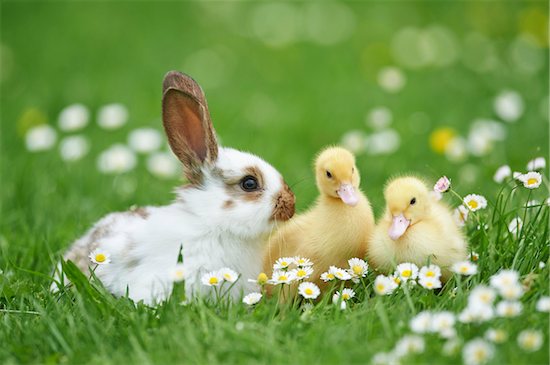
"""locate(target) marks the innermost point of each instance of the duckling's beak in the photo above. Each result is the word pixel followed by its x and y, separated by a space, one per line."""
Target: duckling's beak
pixel 398 226
pixel 348 194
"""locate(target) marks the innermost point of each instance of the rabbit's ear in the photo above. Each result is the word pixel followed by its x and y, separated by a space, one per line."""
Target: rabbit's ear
pixel 187 124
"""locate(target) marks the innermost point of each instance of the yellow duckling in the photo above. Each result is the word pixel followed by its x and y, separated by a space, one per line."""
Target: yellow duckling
pixel 339 225
pixel 414 228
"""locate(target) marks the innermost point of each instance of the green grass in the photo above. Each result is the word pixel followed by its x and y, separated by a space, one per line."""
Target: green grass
pixel 284 104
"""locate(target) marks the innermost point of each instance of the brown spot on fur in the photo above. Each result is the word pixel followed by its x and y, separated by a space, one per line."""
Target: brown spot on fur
pixel 139 211
pixel 284 204
pixel 228 204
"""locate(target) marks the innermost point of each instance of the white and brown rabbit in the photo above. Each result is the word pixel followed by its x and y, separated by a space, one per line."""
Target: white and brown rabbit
pixel 221 218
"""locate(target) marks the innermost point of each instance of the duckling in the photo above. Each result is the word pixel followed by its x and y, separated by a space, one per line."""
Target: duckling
pixel 338 226
pixel 414 228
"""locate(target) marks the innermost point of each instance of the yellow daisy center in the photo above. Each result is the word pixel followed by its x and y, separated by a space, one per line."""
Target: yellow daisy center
pixel 213 280
pixel 473 204
pixel 227 276
pixel 308 291
pixel 479 354
pixel 406 273
pixel 100 257
pixel 283 278
pixel 330 276
pixel 262 278
pixel 301 273
pixel 284 263
pixel 463 269
pixel 429 284
pixel 397 280
pixel 430 274
pixel 531 181
pixel 345 296
pixel 380 287
pixel 357 269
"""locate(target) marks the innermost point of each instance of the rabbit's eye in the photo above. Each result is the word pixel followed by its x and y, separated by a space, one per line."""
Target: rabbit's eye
pixel 249 183
pixel 329 175
pixel 413 201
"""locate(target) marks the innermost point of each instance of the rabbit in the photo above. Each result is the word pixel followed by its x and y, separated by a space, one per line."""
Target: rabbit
pixel 221 218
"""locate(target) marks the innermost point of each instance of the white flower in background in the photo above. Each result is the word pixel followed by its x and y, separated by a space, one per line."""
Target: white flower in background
pixel 178 273
pixel 327 276
pixel 383 142
pixel 516 175
pixel 473 256
pixel 483 135
pixel 379 118
pixel 502 173
pixel 430 283
pixel 213 278
pixel 465 268
pixel 451 347
pixel 511 292
pixel 40 138
pixel 346 294
pixel 252 298
pixel 309 290
pixel 442 322
pixel 422 322
pixel 477 352
pixel 457 149
pixel 116 159
pixel 532 203
pixel 538 163
pixel 282 277
pixel 482 295
pixel 384 358
pixel 530 340
pixel 100 257
pixel 460 215
pixel 112 116
pixel 409 344
pixel 407 271
pixel 542 265
pixel 283 263
pixel 145 140
pixel 391 79
pixel 509 106
pixel 302 261
pixel 73 148
pixel 504 279
pixel 543 304
pixel 508 309
pixel 396 279
pixel 496 335
pixel 442 185
pixel 73 117
pixel 228 275
pixel 475 202
pixel 383 285
pixel 354 141
pixel 531 180
pixel 431 271
pixel 358 267
pixel 340 274
pixel 163 165
pixel 302 273
pixel 476 313
pixel 515 226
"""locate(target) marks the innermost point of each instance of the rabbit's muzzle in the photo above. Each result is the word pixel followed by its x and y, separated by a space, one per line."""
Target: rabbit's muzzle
pixel 284 204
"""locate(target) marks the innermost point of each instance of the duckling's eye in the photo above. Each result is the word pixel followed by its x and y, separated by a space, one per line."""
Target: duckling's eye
pixel 329 175
pixel 413 201
pixel 249 183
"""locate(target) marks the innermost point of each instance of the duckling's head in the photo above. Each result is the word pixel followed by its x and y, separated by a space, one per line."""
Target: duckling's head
pixel 337 175
pixel 408 202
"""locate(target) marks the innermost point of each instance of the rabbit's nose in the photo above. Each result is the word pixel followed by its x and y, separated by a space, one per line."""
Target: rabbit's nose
pixel 284 204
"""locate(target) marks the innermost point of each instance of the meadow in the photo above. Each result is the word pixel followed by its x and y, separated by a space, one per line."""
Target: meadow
pixel 436 89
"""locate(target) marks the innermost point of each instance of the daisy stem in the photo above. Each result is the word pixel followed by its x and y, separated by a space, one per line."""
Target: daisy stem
pixel 408 296
pixel 459 283
pixel 383 317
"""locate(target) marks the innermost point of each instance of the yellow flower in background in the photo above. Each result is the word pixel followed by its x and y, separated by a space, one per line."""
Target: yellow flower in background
pixel 262 278
pixel 440 139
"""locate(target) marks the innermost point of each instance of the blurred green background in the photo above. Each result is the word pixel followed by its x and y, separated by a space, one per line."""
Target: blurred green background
pixel 283 80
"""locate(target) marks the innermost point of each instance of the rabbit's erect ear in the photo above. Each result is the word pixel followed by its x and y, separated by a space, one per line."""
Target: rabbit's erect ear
pixel 187 124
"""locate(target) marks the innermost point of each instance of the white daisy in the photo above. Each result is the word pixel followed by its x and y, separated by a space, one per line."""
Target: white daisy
pixel 511 292
pixel 473 256
pixel 421 323
pixel 477 352
pixel 476 313
pixel 252 298
pixel 508 105
pixel 213 278
pixel 504 278
pixel 346 294
pixel 508 309
pixel 409 344
pixel 482 295
pixel 460 215
pixel 358 267
pixel 517 175
pixel 442 185
pixel 302 273
pixel 116 159
pixel 431 271
pixel 538 163
pixel 327 276
pixel 40 138
pixel 383 285
pixel 100 257
pixel 163 164
pixel 502 173
pixel 178 273
pixel 73 117
pixel 354 141
pixel 112 116
pixel 475 202
pixel 496 335
pixel 465 268
pixel 309 290
pixel 340 273
pixel 542 265
pixel 515 226
pixel 229 275
pixel 543 304
pixel 430 283
pixel 302 261
pixel 282 277
pixel 283 263
pixel 530 340
pixel 145 140
pixel 531 180
pixel 442 322
pixel 73 148
pixel 451 347
pixel 407 271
